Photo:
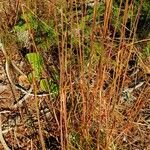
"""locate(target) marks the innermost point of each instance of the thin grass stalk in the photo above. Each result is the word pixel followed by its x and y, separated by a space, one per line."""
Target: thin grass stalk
pixel 38 115
pixel 70 53
pixel 115 30
pixel 92 39
pixel 100 104
pixel 66 80
pixel 80 59
pixel 60 47
pixel 35 86
pixel 124 22
pixel 136 21
pixel 61 86
pixel 107 16
pixel 63 117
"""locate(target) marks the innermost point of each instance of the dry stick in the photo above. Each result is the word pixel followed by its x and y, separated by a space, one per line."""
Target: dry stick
pixel 23 99
pixel 35 91
pixel 38 117
pixel 61 58
pixel 27 94
pixel 31 94
pixel 7 64
pixel 2 138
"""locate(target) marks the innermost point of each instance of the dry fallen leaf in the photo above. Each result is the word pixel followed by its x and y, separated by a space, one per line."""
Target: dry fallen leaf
pixel 23 81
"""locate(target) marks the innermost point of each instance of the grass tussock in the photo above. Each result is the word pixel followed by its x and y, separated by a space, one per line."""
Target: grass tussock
pixel 93 60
